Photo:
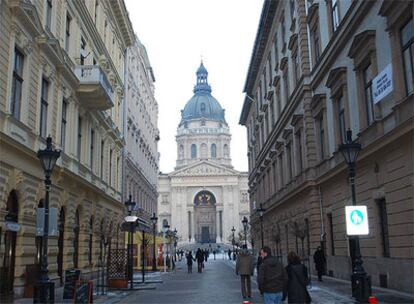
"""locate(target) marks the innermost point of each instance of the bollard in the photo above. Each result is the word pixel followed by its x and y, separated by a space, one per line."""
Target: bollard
pixel 372 300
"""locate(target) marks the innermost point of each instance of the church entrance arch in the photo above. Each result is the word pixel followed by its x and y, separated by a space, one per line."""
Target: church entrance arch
pixel 205 217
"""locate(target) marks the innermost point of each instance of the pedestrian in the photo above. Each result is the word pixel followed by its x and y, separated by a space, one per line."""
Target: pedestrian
pixel 296 290
pixel 272 278
pixel 229 253
pixel 259 261
pixel 190 260
pixel 200 259
pixel 214 254
pixel 245 268
pixel 205 255
pixel 319 260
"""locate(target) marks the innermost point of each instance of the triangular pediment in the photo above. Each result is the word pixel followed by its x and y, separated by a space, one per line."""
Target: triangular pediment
pixel 204 168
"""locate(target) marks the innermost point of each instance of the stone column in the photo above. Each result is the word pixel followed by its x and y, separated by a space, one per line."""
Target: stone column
pixel 193 232
pixel 218 226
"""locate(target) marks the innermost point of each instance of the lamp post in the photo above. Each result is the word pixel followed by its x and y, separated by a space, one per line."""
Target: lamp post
pixel 48 158
pixel 175 244
pixel 233 241
pixel 245 222
pixel 165 228
pixel 361 282
pixel 154 220
pixel 261 212
pixel 130 219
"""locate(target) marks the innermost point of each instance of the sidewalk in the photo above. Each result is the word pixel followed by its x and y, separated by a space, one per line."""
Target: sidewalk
pixel 333 290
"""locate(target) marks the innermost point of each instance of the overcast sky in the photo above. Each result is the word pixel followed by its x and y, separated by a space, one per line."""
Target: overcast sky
pixel 176 34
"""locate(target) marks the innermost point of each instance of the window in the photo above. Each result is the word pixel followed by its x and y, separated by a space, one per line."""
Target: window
pixel 272 113
pixel 83 51
pixel 49 14
pixel 276 52
pixel 105 30
pixel 90 241
pixel 289 161
pixel 299 151
pixel 283 30
pixel 407 47
pixel 369 105
pixel 281 177
pixel 63 124
pixel 286 84
pixel 341 119
pixel 43 108
pixel 316 46
pixel 193 151
pixel 335 14
pixel 102 158
pixel 96 10
pixel 91 150
pixel 226 151
pixel 321 129
pixel 331 233
pixel 269 64
pixel 110 167
pixel 17 85
pixel 296 67
pixel 292 9
pixel 76 240
pixel 79 138
pixel 67 32
pixel 213 151
pixel 383 219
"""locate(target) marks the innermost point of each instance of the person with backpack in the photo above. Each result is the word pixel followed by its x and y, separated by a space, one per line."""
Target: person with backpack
pixel 296 290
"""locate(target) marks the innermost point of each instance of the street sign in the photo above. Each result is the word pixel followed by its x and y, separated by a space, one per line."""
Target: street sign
pixel 356 220
pixel 12 226
pixel 40 222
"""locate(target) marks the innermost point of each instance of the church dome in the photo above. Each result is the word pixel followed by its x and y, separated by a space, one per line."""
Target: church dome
pixel 202 104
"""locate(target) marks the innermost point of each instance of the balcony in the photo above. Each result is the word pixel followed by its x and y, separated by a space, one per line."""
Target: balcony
pixel 95 91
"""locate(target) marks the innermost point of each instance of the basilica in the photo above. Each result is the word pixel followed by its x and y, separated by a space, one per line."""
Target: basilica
pixel 204 197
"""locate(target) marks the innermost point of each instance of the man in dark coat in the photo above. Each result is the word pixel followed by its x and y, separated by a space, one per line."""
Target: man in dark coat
pixel 245 268
pixel 200 260
pixel 319 260
pixel 190 260
pixel 272 277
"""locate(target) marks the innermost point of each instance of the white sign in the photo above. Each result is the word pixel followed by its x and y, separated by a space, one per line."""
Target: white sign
pixel 382 84
pixel 131 218
pixel 356 220
pixel 12 226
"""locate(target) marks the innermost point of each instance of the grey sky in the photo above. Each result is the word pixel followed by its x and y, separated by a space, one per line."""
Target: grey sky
pixel 176 34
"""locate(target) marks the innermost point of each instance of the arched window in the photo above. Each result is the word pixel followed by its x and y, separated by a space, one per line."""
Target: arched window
pixel 213 151
pixel 193 151
pixel 181 152
pixel 226 150
pixel 90 240
pixel 203 108
pixel 203 151
pixel 61 243
pixel 76 240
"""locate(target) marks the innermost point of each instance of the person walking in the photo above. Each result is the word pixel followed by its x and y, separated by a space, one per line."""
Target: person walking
pixel 200 259
pixel 214 254
pixel 319 260
pixel 272 278
pixel 296 290
pixel 190 260
pixel 229 253
pixel 245 268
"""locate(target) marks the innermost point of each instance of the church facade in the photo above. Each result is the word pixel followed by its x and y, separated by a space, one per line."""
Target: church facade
pixel 204 197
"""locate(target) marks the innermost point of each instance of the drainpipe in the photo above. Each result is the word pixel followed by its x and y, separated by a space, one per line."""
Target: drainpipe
pixel 124 121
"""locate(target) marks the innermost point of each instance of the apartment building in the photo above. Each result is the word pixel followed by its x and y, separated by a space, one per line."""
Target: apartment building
pixel 141 132
pixel 61 74
pixel 314 73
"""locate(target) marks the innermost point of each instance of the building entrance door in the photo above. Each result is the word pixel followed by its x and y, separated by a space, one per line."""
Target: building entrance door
pixel 205 234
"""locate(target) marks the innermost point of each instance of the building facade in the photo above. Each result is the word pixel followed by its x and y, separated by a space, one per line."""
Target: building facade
pixel 204 197
pixel 62 74
pixel 141 132
pixel 312 76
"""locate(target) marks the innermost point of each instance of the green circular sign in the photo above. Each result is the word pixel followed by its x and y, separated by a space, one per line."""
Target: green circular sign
pixel 357 218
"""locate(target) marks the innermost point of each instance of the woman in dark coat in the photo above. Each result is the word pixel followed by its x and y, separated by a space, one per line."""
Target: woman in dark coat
pixel 190 260
pixel 200 260
pixel 296 290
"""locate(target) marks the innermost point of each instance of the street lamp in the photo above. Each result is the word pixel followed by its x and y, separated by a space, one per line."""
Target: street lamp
pixel 154 220
pixel 261 212
pixel 361 282
pixel 175 244
pixel 130 219
pixel 233 241
pixel 165 228
pixel 245 222
pixel 48 158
